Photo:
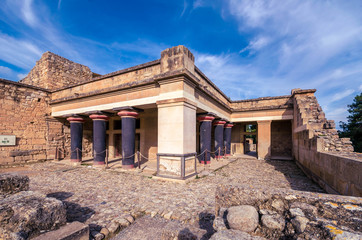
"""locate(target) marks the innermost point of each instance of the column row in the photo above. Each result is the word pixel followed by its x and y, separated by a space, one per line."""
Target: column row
pixel 222 135
pixel 99 137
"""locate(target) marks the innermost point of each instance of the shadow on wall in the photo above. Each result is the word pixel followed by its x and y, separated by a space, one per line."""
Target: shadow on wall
pixel 295 176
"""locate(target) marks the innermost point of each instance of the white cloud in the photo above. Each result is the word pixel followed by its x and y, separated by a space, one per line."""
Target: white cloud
pixel 5 71
pixel 341 95
pixel 360 87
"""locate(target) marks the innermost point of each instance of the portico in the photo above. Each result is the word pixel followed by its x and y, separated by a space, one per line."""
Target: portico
pixel 166 110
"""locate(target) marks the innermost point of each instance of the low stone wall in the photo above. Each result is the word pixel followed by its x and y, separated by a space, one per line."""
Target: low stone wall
pixel 333 172
pixel 289 214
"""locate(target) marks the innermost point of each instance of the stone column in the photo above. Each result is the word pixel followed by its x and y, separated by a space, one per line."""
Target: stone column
pixel 219 138
pixel 76 137
pixel 227 138
pixel 99 138
pixel 205 138
pixel 128 137
pixel 264 140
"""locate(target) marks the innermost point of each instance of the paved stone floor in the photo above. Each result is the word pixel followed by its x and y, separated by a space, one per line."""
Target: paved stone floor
pixel 96 196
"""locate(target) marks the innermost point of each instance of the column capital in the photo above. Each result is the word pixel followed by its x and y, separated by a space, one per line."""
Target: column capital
pixel 76 119
pixel 229 125
pixel 128 114
pixel 101 117
pixel 205 118
pixel 219 122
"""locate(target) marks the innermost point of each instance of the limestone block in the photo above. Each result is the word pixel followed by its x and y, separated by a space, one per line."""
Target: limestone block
pixel 25 214
pixel 71 231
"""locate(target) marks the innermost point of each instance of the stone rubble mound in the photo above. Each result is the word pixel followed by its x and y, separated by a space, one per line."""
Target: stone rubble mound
pixel 13 183
pixel 285 216
pixel 25 214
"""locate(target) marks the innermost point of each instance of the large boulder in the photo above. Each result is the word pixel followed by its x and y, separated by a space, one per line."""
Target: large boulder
pixel 25 214
pixel 244 218
pixel 12 183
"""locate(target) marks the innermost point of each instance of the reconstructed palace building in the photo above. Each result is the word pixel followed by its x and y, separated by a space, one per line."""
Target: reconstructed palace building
pixel 167 111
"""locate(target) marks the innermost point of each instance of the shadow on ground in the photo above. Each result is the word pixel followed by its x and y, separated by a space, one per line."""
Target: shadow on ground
pixel 295 176
pixel 75 212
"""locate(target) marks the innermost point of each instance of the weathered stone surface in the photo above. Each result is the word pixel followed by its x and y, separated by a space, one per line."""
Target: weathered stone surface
pixel 278 205
pixel 233 235
pixel 300 223
pixel 105 232
pixel 27 213
pixel 244 218
pixel 273 221
pixel 307 208
pixel 13 183
pixel 148 227
pixel 339 234
pixel 219 224
pixel 71 231
pixel 296 212
pixel 113 227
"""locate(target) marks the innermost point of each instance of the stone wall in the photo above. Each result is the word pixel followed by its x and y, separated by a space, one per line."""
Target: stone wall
pixel 281 139
pixel 319 151
pixel 262 103
pixel 24 112
pixel 53 72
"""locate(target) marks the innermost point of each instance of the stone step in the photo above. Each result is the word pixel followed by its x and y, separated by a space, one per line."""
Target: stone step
pixel 71 231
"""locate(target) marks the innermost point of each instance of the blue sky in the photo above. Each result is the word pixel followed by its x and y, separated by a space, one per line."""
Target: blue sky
pixel 249 49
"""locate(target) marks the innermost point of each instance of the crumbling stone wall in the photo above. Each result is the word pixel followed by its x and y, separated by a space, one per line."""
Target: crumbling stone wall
pixel 25 113
pixel 312 116
pixel 53 72
pixel 323 156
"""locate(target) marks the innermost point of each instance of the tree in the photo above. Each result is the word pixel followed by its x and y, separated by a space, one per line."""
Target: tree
pixel 353 128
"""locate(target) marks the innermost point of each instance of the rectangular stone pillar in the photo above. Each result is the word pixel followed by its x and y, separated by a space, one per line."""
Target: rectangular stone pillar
pixel 264 140
pixel 176 138
pixel 176 127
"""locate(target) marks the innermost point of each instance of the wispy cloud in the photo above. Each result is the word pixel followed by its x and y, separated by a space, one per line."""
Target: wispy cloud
pixel 256 44
pixel 18 52
pixel 5 71
pixel 28 14
pixel 341 95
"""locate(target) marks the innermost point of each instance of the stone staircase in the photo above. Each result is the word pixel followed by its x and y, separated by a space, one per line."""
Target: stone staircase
pixel 310 116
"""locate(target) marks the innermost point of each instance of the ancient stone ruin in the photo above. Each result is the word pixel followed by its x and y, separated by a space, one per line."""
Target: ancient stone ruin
pixel 167 117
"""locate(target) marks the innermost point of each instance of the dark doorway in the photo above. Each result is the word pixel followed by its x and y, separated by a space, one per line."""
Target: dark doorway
pixel 281 140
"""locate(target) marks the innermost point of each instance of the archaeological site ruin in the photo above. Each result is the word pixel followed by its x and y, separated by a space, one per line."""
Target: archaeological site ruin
pixel 168 113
